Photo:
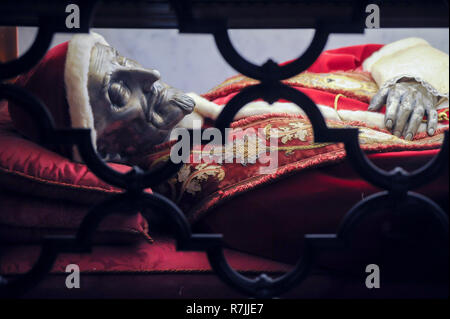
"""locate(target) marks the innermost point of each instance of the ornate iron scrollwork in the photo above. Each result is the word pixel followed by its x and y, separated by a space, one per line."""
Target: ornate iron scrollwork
pixel 270 71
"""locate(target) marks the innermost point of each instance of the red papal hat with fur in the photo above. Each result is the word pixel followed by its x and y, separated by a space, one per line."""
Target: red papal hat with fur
pixel 59 80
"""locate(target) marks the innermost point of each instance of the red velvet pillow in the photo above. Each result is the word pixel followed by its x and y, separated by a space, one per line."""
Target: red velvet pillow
pixel 43 193
pixel 314 186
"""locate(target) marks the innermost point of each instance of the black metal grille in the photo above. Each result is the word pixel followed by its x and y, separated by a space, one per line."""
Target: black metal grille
pixel 397 183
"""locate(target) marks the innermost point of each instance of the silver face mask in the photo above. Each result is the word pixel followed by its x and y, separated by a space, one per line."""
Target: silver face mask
pixel 133 109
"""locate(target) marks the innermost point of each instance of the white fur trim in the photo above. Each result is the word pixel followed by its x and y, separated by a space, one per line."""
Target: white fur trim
pixel 191 121
pixel 212 110
pixel 390 49
pixel 430 88
pixel 76 79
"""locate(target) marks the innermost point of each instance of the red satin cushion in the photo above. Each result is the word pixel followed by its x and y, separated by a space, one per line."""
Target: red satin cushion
pixel 43 193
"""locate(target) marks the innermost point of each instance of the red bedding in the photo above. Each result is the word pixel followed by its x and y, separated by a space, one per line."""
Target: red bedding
pixel 158 271
pixel 159 257
pixel 263 214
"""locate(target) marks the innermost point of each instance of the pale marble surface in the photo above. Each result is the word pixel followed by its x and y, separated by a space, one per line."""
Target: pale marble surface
pixel 193 63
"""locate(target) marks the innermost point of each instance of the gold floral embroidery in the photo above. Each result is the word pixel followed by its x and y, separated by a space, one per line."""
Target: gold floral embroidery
pixel 191 181
pixel 368 136
pixel 244 150
pixel 289 150
pixel 297 130
pixel 359 84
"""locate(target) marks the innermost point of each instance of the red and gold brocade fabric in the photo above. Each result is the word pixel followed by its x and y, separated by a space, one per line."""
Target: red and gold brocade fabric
pixel 314 186
pixel 205 182
pixel 200 187
pixel 355 84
